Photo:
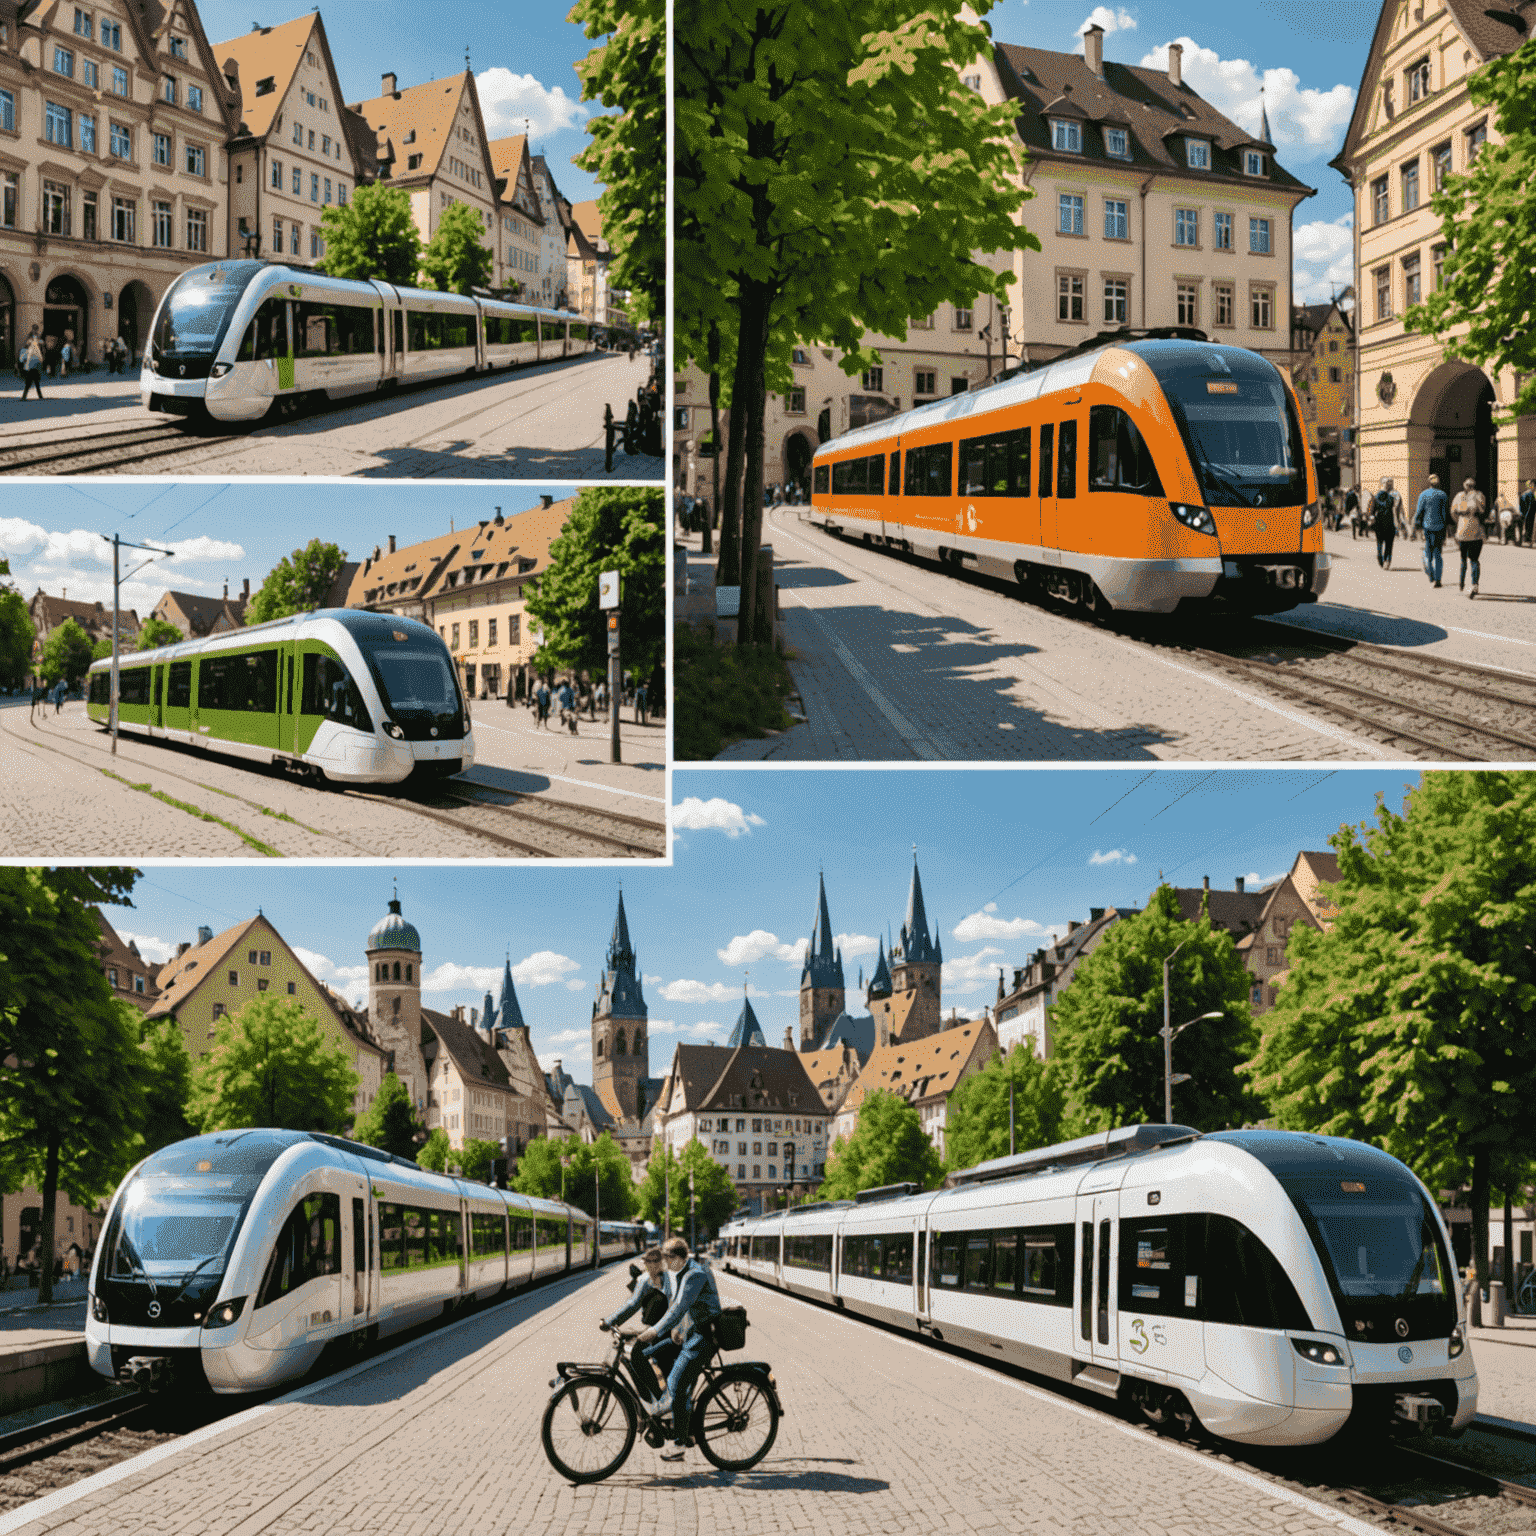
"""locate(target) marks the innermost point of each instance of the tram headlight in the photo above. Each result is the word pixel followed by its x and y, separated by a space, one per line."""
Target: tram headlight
pixel 391 729
pixel 225 1313
pixel 1318 1351
pixel 99 1309
pixel 219 370
pixel 1311 514
pixel 1458 1340
pixel 1193 517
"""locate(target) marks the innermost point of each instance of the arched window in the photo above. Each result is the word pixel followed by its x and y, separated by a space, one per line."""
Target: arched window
pixel 407 973
pixel 639 1045
pixel 397 1007
pixel 397 970
pixel 618 1045
pixel 599 1046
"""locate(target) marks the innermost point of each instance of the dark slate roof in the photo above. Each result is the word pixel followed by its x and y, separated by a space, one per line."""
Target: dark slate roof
pixel 393 932
pixel 696 1069
pixel 823 966
pixel 1236 911
pixel 619 993
pixel 880 982
pixel 1491 38
pixel 765 1077
pixel 747 1031
pixel 858 1030
pixel 916 948
pixel 1157 112
pixel 508 1014
pixel 469 1051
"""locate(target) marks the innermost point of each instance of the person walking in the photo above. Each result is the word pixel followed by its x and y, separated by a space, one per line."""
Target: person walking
pixel 1395 497
pixel 1384 525
pixel 1351 507
pixel 1528 512
pixel 640 701
pixel 1430 515
pixel 60 688
pixel 31 360
pixel 1467 509
pixel 543 699
pixel 1508 521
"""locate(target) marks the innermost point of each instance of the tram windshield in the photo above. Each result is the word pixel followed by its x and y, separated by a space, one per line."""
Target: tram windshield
pixel 414 678
pixel 196 312
pixel 1238 423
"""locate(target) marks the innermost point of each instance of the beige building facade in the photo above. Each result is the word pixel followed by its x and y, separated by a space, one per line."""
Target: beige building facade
pixel 1420 412
pixel 520 230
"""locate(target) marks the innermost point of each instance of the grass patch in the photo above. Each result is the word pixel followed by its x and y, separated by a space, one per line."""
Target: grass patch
pixel 213 789
pixel 265 849
pixel 725 693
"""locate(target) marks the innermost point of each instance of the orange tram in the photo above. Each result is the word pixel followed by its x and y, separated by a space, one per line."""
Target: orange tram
pixel 1135 473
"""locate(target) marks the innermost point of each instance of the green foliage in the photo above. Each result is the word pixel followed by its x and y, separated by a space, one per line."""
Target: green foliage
pixel 1107 1025
pixel 1407 1023
pixel 389 1123
pixel 16 637
pixel 168 1085
pixel 475 1157
pixel 714 1195
pixel 373 236
pixel 72 1075
pixel 579 1168
pixel 724 693
pixel 154 633
pixel 1490 235
pixel 67 653
pixel 976 1128
pixel 298 583
pixel 272 1065
pixel 456 259
pixel 628 152
pixel 101 650
pixel 888 1146
pixel 437 1152
pixel 610 529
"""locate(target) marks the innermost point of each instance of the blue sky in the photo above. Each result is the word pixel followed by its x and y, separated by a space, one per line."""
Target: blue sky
pixel 523 59
pixel 221 532
pixel 1006 856
pixel 1307 55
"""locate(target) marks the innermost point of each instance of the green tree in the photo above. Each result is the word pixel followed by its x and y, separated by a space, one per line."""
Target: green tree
pixel 714 1195
pixel 1107 1025
pixel 168 1085
pixel 16 633
pixel 72 1075
pixel 475 1157
pixel 628 152
pixel 456 258
pixel 976 1127
pixel 610 529
pixel 101 650
pixel 1407 1023
pixel 389 1123
pixel 1490 236
pixel 437 1152
pixel 272 1065
pixel 539 1169
pixel 575 1170
pixel 154 633
pixel 373 236
pixel 888 1146
pixel 833 177
pixel 67 653
pixel 298 583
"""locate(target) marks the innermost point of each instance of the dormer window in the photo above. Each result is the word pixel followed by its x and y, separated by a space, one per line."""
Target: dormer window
pixel 1418 81
pixel 1117 143
pixel 1253 162
pixel 1066 135
pixel 1197 153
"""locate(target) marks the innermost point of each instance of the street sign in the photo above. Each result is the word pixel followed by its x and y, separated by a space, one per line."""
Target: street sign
pixel 608 590
pixel 613 633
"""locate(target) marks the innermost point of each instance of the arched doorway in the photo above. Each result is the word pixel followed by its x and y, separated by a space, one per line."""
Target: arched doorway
pixel 1452 417
pixel 7 321
pixel 65 308
pixel 798 448
pixel 135 309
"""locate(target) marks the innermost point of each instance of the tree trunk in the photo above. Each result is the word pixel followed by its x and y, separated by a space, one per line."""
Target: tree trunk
pixel 1508 1276
pixel 714 436
pixel 1480 1195
pixel 752 348
pixel 45 1239
pixel 728 572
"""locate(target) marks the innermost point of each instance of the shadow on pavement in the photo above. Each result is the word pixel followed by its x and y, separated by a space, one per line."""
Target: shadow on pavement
pixel 1362 624
pixel 516 464
pixel 507 780
pixel 794 573
pixel 758 1481
pixel 59 402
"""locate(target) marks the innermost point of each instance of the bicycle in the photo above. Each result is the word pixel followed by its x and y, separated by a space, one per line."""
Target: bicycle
pixel 590 1424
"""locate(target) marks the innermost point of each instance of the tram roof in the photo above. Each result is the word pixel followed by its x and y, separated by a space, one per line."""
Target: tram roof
pixel 357 621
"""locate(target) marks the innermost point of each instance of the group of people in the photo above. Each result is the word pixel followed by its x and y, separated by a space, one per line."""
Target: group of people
pixel 790 494
pixel 43 694
pixel 40 354
pixel 572 696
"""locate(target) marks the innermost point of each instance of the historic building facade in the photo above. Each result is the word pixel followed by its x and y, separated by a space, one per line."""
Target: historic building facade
pixel 1323 371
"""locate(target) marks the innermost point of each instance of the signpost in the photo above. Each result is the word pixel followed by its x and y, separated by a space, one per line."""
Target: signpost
pixel 608 602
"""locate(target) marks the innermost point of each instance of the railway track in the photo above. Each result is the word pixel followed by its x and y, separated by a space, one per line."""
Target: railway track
pixel 103 452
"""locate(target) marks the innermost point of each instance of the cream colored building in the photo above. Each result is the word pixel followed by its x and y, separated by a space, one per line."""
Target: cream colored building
pixel 113 176
pixel 292 157
pixel 1420 412
pixel 552 265
pixel 520 230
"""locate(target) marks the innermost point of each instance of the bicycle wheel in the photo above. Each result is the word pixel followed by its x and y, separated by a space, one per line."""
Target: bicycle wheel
pixel 589 1428
pixel 736 1421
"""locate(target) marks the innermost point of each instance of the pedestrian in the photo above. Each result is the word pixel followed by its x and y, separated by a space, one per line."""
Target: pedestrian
pixel 543 703
pixel 567 705
pixel 1430 515
pixel 1467 509
pixel 1384 525
pixel 66 357
pixel 1528 512
pixel 1351 507
pixel 39 696
pixel 1399 512
pixel 640 699
pixel 591 697
pixel 31 360
pixel 60 688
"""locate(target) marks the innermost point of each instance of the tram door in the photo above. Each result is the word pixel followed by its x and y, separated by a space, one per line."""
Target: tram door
pixel 1063 507
pixel 1095 1335
pixel 1045 524
pixel 157 696
pixel 287 697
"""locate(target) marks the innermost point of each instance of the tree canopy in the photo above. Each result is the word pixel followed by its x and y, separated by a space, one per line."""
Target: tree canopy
pixel 617 528
pixel 456 258
pixel 297 583
pixel 976 1126
pixel 167 1084
pixel 1490 235
pixel 373 236
pixel 389 1123
pixel 714 1195
pixel 16 636
pixel 272 1065
pixel 471 1161
pixel 888 1146
pixel 67 653
pixel 587 1167
pixel 1407 1022
pixel 157 632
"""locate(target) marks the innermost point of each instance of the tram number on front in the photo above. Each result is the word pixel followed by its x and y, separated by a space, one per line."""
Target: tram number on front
pixel 1140 1341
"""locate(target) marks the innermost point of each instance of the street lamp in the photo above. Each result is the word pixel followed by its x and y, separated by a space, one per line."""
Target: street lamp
pixel 1170 1034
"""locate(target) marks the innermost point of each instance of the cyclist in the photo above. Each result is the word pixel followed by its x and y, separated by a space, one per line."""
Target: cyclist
pixel 650 1297
pixel 696 1298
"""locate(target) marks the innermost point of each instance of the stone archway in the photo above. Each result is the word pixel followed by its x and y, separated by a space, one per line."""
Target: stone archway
pixel 135 309
pixel 66 311
pixel 1451 431
pixel 799 446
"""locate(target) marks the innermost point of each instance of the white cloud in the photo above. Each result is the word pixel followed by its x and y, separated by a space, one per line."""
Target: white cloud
pixel 684 991
pixel 203 549
pixel 671 1027
pixel 1305 121
pixel 507 99
pixel 1323 258
pixel 982 925
pixel 576 986
pixel 968 972
pixel 545 968
pixel 1119 20
pixel 717 815
pixel 1114 856
pixel 747 949
pixel 343 977
pixel 449 977
pixel 855 944
pixel 153 948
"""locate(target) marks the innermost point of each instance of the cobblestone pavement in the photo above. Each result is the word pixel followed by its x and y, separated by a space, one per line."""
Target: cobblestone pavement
pixel 880 1436
pixel 898 662
pixel 1506 1373
pixel 543 423
pixel 57 801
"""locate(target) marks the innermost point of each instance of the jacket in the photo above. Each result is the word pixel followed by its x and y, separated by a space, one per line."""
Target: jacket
pixel 1430 514
pixel 643 1292
pixel 697 1297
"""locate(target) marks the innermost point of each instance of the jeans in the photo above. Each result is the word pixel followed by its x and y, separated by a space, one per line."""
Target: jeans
pixel 654 1363
pixel 1434 558
pixel 1471 550
pixel 1384 543
pixel 691 1359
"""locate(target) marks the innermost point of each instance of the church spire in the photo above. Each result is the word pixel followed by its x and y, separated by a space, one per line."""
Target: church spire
pixel 823 961
pixel 916 945
pixel 1264 132
pixel 508 1014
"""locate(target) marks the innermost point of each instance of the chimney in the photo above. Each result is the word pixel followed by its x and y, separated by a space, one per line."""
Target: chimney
pixel 246 594
pixel 499 518
pixel 204 934
pixel 378 554
pixel 1207 882
pixel 388 84
pixel 1240 885
pixel 789 1039
pixel 1073 925
pixel 182 948
pixel 1176 63
pixel 1093 49
pixel 546 501
pixel 226 589
pixel 474 1017
pixel 1095 913
pixel 391 543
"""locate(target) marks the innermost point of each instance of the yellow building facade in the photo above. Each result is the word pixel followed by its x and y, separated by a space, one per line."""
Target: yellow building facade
pixel 1325 385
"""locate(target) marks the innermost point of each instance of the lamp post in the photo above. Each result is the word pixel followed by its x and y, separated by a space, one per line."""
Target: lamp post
pixel 693 1226
pixel 1170 1034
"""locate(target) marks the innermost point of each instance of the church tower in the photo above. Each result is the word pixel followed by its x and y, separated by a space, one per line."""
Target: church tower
pixel 917 963
pixel 821 980
pixel 394 998
pixel 620 1053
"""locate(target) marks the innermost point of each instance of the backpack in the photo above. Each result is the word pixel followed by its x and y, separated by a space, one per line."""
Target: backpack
pixel 1381 504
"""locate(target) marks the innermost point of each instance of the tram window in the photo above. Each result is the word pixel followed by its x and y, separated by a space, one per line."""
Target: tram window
pixel 397 319
pixel 1047 449
pixel 426 331
pixel 1244 1282
pixel 329 691
pixel 1085 1299
pixel 1103 1282
pixel 978 1261
pixel 1005 1248
pixel 896 1257
pixel 894 484
pixel 522 1234
pixel 1045 1266
pixel 1153 1270
pixel 1066 460
pixel 415 1223
pixel 308 1246
pixel 245 682
pixel 444 1239
pixel 997 465
pixel 577 332
pixel 498 330
pixel 819 479
pixel 949 1259
pixel 457 330
pixel 267 335
pixel 930 470
pixel 1118 456
pixel 133 685
pixel 101 688
pixel 391 1236
pixel 178 686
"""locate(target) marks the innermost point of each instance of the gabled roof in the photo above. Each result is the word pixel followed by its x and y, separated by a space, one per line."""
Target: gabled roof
pixel 127 959
pixel 413 572
pixel 921 1069
pixel 692 1076
pixel 50 612
pixel 759 1079
pixel 1310 872
pixel 151 19
pixel 858 1030
pixel 509 158
pixel 430 112
pixel 500 547
pixel 1238 912
pixel 587 218
pixel 275 53
pixel 468 1050
pixel 202 613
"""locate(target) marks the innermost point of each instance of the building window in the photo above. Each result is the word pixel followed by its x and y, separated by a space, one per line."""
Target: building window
pixel 178 47
pixel 413 162
pixel 90 74
pixel 63 61
pixel 1115 143
pixel 1253 162
pixel 794 402
pixel 327 189
pixel 1418 81
pixel 1410 186
pixel 87 215
pixel 197 230
pixel 1440 161
pixel 1412 281
pixel 1333 376
pixel 194 98
pixel 219 1010
pixel 88 134
pixel 1476 138
pixel 1189 304
pixel 1186 226
pixel 1437 266
pixel 7 111
pixel 1197 153
pixel 1066 135
pixel 314 186
pixel 10 197
pixel 162 233
pixel 162 148
pixel 112 36
pixel 277 175
pixel 1070 215
pixel 454 643
pixel 277 236
pixel 341 200
pixel 490 633
pixel 316 245
pixel 1115 302
pixel 298 134
pixel 1380 211
pixel 874 380
pixel 119 78
pixel 1069 296
pixel 298 182
pixel 83 24
pixel 138 983
pixel 197 160
pixel 962 319
pixel 122 142
pixel 56 209
pixel 1383 293
pixel 1262 304
pixel 923 383
pixel 58 125
pixel 168 88
pixel 325 145
pixel 1258 236
pixel 234 978
pixel 123 211
pixel 1115 227
pixel 262 983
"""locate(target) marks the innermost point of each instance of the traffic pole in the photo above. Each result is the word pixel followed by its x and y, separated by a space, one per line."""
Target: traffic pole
pixel 615 689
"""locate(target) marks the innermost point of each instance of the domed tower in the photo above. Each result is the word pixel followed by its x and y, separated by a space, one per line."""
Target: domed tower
pixel 917 963
pixel 621 1054
pixel 394 997
pixel 821 980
